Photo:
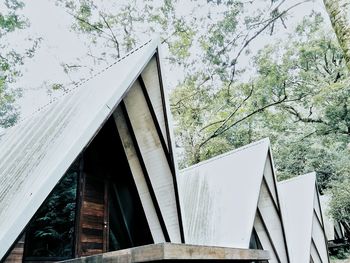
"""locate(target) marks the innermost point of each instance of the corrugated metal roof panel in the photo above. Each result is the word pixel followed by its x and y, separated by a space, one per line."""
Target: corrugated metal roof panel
pixel 36 153
pixel 297 196
pixel 219 197
pixel 299 214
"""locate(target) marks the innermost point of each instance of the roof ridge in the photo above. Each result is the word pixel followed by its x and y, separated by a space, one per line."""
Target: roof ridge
pixel 298 177
pixel 244 147
pixel 74 87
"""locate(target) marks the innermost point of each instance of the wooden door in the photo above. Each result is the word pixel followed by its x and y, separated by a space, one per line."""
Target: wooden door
pixel 92 235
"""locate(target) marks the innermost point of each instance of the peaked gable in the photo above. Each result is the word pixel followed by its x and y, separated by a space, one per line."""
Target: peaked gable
pixel 268 223
pixel 302 215
pixel 36 153
pixel 229 197
pixel 335 230
pixel 231 187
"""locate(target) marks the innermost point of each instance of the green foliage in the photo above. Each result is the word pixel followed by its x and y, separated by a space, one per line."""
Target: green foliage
pixel 340 202
pixel 213 32
pixel 12 59
pixel 51 232
pixel 297 92
pixel 341 253
pixel 11 21
pixel 299 97
pixel 57 86
pixel 8 112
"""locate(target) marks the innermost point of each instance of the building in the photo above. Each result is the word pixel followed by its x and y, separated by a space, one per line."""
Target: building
pixel 302 215
pixel 93 175
pixel 232 201
pixel 337 233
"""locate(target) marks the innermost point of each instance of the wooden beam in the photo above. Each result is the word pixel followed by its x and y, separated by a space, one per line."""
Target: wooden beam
pixel 141 178
pixel 167 153
pixel 154 157
pixel 168 252
pixel 271 218
pixel 16 255
pixel 267 233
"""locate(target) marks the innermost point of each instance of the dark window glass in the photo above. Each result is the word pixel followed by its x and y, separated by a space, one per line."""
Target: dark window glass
pixel 106 159
pixel 119 236
pixel 111 198
pixel 127 222
pixel 254 241
pixel 50 234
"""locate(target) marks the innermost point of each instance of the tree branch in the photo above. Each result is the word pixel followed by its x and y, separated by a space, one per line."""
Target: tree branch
pixel 218 132
pixel 235 110
pixel 114 38
pixel 271 21
pixel 299 116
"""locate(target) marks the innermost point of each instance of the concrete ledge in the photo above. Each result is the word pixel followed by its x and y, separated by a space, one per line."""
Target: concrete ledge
pixel 168 252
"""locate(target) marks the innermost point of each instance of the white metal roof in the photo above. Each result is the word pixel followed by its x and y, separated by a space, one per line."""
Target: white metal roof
pixel 219 197
pixel 36 153
pixel 302 218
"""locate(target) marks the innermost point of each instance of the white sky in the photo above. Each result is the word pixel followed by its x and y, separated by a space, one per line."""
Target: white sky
pixel 61 44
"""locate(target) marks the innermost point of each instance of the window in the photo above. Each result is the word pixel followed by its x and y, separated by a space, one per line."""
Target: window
pixel 254 241
pixel 127 222
pixel 111 215
pixel 50 235
pixel 106 215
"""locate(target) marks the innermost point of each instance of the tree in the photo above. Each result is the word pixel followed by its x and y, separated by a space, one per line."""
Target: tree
pixel 12 59
pixel 339 14
pixel 298 97
pixel 216 33
pixel 340 201
pixel 309 130
pixel 318 123
pixel 215 110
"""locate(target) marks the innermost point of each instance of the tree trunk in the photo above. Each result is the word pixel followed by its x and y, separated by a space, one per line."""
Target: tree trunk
pixel 339 14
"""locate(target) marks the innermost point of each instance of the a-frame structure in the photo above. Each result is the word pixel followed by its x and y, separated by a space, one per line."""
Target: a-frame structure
pixel 232 201
pixel 113 126
pixel 302 215
pixel 335 231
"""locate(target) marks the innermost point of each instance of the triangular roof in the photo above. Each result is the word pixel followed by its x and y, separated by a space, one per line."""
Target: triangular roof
pixel 334 230
pixel 227 197
pixel 303 219
pixel 36 153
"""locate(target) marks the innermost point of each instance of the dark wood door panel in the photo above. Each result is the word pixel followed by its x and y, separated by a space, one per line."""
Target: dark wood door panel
pixel 92 217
